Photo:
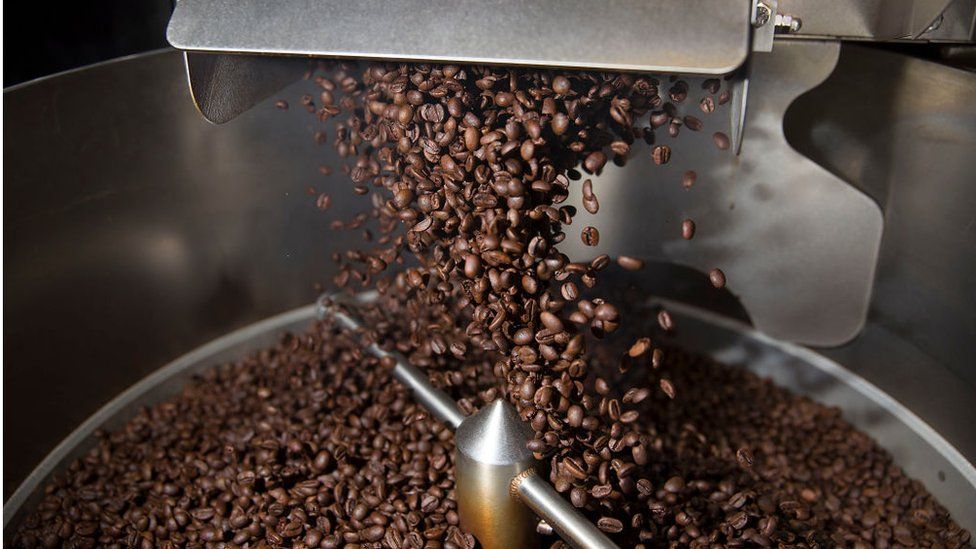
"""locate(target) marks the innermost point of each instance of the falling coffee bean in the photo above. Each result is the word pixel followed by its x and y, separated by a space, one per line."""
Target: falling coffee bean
pixel 667 387
pixel 595 161
pixel 717 278
pixel 707 105
pixel 569 291
pixel 661 154
pixel 630 263
pixel 721 141
pixel 590 236
pixel 323 202
pixel 639 347
pixel 664 320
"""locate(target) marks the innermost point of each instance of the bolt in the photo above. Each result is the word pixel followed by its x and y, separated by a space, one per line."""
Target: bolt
pixel 763 14
pixel 788 23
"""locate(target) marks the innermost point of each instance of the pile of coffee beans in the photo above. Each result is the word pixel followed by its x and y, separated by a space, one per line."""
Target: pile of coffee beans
pixel 307 444
pixel 468 169
pixel 311 444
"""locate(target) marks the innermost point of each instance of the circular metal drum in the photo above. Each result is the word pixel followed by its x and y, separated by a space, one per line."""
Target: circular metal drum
pixel 915 446
pixel 136 230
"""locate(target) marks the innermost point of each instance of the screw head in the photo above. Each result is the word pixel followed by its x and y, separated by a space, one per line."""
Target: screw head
pixel 763 14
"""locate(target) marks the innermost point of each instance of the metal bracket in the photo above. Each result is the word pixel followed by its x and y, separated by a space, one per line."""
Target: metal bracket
pixel 763 24
pixel 223 86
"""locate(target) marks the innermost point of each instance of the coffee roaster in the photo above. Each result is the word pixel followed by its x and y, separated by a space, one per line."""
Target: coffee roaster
pixel 843 220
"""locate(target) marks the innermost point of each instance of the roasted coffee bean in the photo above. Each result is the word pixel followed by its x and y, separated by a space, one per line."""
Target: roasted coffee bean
pixel 712 85
pixel 601 491
pixel 665 321
pixel 551 321
pixel 600 262
pixel 693 123
pixel 591 204
pixel 595 161
pixel 657 357
pixel 707 105
pixel 578 497
pixel 281 104
pixel 688 179
pixel 590 236
pixel 560 123
pixel 606 312
pixel 667 387
pixel 630 263
pixel 323 202
pixel 640 347
pixel 635 395
pixel 674 484
pixel 569 291
pixel 661 154
pixel 674 128
pixel 721 141
pixel 610 525
pixel 687 229
pixel 574 416
pixel 504 99
pixel 717 278
pixel 561 85
pixel 744 457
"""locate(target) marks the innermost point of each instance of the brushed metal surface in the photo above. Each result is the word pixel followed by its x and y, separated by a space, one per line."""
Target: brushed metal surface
pixel 224 86
pixel 490 452
pixel 692 36
pixel 879 20
pixel 797 243
pixel 135 230
pixel 904 131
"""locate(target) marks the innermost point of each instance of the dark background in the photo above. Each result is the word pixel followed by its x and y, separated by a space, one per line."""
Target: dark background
pixel 42 38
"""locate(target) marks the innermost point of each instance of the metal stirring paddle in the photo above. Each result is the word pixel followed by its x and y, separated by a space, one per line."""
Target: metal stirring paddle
pixel 498 487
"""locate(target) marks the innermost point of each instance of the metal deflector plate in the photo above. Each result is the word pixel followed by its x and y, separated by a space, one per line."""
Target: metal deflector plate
pixel 691 36
pixel 799 245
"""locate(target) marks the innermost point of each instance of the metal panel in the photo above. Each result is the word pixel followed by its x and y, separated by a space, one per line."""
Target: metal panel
pixel 692 36
pixel 224 86
pixel 883 19
pixel 798 244
pixel 904 130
